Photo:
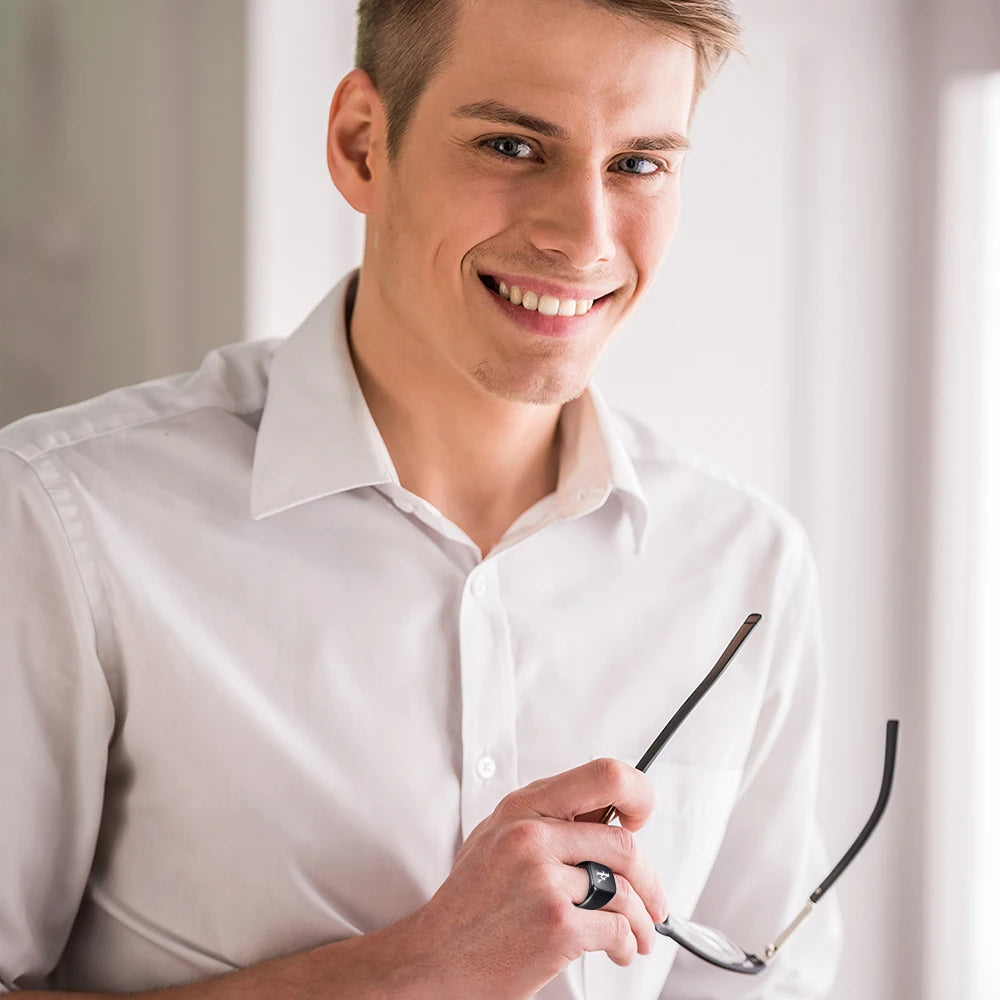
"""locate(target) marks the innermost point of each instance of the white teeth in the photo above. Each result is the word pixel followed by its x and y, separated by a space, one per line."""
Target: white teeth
pixel 547 305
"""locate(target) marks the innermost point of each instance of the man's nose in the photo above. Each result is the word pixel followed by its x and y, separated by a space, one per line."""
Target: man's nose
pixel 572 218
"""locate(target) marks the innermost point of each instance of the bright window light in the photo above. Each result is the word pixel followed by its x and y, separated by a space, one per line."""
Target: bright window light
pixel 962 816
pixel 984 925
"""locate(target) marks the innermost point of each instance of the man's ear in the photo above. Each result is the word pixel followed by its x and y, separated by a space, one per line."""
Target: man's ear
pixel 355 139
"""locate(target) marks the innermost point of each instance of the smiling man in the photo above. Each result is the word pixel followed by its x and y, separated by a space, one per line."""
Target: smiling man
pixel 511 228
pixel 319 666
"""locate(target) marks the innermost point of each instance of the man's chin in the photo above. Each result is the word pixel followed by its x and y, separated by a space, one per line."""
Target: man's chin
pixel 535 388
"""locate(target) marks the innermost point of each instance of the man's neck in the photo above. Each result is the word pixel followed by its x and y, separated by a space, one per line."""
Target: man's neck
pixel 479 459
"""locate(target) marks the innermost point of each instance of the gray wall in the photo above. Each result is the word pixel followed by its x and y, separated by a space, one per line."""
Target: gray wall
pixel 121 192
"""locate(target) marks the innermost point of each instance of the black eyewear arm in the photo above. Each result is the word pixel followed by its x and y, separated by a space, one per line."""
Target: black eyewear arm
pixel 715 947
pixel 689 703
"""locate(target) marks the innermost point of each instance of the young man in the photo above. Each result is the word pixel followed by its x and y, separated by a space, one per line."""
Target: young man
pixel 317 666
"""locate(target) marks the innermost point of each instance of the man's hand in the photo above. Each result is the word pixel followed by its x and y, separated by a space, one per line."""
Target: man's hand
pixel 504 921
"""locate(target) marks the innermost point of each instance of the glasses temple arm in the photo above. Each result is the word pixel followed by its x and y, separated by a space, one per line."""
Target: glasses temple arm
pixel 692 699
pixel 891 739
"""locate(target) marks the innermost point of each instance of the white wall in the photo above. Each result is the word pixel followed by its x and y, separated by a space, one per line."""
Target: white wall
pixel 958 49
pixel 300 233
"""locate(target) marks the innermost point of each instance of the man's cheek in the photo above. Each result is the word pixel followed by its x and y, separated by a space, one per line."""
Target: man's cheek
pixel 655 234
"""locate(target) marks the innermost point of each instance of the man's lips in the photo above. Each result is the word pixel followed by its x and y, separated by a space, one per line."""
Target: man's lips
pixel 547 323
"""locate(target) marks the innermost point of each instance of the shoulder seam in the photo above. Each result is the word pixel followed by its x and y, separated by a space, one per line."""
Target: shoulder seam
pixel 32 450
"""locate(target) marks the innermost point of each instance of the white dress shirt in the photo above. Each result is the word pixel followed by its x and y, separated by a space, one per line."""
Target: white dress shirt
pixel 254 693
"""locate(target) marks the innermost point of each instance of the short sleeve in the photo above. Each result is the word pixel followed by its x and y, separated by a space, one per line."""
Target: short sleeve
pixel 56 721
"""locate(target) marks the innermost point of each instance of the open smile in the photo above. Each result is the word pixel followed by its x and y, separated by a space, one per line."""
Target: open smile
pixel 540 311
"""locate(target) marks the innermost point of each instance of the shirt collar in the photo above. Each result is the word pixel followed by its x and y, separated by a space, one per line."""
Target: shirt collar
pixel 595 462
pixel 317 436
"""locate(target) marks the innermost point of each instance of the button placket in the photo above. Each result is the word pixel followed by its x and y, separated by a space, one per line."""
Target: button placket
pixel 489 755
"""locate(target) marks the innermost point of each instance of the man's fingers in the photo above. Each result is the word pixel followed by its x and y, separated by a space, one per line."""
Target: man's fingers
pixel 614 848
pixel 586 790
pixel 609 931
pixel 626 901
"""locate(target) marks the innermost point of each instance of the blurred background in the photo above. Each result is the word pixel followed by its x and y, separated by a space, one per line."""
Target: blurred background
pixel 826 325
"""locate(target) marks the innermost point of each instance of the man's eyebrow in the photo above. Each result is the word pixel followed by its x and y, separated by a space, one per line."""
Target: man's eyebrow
pixel 496 111
pixel 503 114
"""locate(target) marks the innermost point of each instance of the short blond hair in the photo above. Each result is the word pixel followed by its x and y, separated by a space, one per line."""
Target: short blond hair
pixel 402 43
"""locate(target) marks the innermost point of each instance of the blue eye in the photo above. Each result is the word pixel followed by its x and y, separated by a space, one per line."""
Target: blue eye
pixel 631 162
pixel 509 147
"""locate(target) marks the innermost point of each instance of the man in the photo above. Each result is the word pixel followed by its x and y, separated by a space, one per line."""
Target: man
pixel 319 665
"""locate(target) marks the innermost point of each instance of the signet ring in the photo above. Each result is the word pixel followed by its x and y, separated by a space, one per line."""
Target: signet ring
pixel 602 886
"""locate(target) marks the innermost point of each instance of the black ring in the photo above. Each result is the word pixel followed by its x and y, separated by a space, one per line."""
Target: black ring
pixel 602 886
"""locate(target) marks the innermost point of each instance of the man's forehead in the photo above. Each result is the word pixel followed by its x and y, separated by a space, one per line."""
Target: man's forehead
pixel 612 66
pixel 555 24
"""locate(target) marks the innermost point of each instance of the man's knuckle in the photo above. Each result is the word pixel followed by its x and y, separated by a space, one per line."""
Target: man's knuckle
pixel 611 774
pixel 622 929
pixel 555 916
pixel 512 804
pixel 557 926
pixel 550 885
pixel 523 837
pixel 623 889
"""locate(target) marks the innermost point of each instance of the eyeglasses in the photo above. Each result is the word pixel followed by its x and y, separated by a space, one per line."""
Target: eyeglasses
pixel 706 942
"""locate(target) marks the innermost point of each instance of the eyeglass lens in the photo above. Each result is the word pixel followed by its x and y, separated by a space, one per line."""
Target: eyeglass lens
pixel 709 944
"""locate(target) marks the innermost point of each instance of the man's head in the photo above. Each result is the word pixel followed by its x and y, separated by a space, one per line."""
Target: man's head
pixel 402 43
pixel 538 143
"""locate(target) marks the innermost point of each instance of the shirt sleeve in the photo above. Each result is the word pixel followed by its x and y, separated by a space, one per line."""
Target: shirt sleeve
pixel 56 719
pixel 772 856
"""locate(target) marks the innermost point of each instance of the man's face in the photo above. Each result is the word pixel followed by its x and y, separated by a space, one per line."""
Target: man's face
pixel 584 212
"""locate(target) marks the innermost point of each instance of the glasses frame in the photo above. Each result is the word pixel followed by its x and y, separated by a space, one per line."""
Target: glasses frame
pixel 686 932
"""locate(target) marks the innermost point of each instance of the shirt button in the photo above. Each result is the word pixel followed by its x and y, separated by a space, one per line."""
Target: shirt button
pixel 486 767
pixel 404 505
pixel 478 586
